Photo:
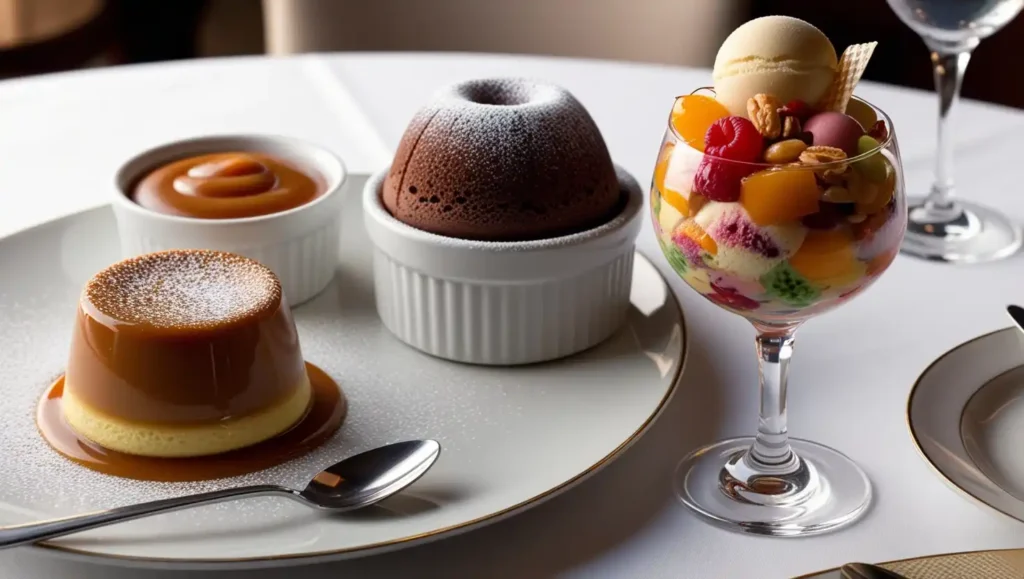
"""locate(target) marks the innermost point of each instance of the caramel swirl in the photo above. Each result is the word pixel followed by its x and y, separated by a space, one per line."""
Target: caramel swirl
pixel 226 186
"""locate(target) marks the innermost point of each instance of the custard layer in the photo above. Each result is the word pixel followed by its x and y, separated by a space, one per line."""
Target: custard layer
pixel 177 441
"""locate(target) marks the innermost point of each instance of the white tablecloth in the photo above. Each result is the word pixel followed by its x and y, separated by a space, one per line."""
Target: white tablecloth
pixel 62 136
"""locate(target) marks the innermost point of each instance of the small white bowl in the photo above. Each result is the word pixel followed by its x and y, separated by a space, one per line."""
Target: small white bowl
pixel 502 303
pixel 299 245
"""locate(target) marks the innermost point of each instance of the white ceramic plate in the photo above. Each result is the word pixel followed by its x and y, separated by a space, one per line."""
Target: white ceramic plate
pixel 511 437
pixel 966 415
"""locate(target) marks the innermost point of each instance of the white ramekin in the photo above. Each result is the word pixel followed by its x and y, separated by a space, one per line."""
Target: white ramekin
pixel 300 245
pixel 502 303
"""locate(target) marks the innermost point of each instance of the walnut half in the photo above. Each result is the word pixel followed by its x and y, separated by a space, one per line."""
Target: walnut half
pixel 763 110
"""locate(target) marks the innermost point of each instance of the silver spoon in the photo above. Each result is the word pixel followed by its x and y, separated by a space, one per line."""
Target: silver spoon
pixel 355 482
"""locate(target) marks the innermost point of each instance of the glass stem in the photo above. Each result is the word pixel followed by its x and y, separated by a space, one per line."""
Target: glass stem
pixel 770 453
pixel 948 65
pixel 769 472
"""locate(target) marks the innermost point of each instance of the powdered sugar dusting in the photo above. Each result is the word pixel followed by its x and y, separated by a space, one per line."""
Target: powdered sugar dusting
pixel 185 289
pixel 502 159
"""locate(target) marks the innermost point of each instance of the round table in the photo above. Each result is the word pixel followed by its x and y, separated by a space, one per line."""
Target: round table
pixel 62 136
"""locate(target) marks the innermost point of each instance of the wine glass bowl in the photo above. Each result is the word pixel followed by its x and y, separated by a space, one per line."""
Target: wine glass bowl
pixel 941 226
pixel 956 22
pixel 778 242
pixel 798 240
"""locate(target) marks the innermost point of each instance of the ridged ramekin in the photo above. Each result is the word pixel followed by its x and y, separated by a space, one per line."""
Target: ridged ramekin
pixel 502 303
pixel 300 245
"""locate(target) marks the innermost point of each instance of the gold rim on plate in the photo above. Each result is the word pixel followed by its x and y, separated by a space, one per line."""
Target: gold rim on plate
pixel 917 442
pixel 533 501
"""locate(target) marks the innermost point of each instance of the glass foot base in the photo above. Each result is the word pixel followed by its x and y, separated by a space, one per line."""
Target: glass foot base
pixel 837 492
pixel 966 233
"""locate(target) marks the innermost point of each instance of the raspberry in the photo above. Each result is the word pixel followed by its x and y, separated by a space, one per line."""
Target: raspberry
pixel 733 138
pixel 797 108
pixel 720 180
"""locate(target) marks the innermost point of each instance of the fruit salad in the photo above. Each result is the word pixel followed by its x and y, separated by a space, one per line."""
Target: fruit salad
pixel 780 213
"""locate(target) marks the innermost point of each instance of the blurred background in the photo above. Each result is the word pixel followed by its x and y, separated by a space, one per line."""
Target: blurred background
pixel 40 36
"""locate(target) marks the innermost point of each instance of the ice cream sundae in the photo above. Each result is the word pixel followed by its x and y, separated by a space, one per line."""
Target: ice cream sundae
pixel 775 193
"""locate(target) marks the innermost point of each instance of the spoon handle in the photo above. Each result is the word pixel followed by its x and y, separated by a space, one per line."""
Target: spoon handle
pixel 16 535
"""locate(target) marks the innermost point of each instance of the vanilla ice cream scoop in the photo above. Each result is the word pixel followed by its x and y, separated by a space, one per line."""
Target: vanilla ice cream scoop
pixel 778 55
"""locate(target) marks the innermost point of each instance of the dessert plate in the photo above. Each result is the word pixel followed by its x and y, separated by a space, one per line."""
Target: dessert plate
pixel 966 416
pixel 511 437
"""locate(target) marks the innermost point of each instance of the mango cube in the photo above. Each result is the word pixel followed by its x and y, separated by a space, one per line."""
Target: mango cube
pixel 829 257
pixel 778 196
pixel 667 182
pixel 690 229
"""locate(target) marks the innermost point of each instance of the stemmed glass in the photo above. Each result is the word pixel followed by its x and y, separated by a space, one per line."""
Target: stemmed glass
pixel 797 238
pixel 942 227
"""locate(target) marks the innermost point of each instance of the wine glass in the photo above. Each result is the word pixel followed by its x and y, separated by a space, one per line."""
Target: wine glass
pixel 942 227
pixel 786 240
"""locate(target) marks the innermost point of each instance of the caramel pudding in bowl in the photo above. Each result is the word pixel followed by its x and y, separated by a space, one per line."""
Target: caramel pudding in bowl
pixel 185 365
pixel 227 186
pixel 273 199
pixel 184 353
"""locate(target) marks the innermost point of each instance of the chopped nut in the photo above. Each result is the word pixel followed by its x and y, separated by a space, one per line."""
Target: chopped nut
pixel 835 176
pixel 821 154
pixel 791 127
pixel 763 110
pixel 784 151
pixel 856 218
pixel 838 194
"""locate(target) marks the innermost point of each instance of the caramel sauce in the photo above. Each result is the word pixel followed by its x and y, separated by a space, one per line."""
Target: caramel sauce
pixel 226 186
pixel 327 411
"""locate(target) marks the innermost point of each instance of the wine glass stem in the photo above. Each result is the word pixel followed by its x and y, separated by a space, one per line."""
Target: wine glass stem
pixel 948 65
pixel 771 453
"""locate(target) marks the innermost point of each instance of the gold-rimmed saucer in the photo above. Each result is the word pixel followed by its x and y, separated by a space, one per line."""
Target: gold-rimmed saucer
pixel 966 418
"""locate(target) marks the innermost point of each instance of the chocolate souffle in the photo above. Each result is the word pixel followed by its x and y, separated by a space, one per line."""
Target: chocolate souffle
pixel 502 161
pixel 503 232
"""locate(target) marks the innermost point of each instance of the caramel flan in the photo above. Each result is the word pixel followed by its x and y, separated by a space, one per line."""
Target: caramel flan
pixel 184 353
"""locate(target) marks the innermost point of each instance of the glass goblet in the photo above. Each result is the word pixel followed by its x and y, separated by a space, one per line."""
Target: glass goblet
pixel 784 242
pixel 942 227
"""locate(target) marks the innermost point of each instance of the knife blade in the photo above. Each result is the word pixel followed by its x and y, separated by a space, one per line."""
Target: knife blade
pixel 867 571
pixel 1017 315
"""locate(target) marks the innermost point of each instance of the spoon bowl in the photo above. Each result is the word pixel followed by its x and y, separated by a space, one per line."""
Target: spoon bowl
pixel 371 476
pixel 358 481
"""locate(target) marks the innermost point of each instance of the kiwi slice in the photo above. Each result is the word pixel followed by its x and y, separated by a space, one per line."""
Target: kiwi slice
pixel 789 286
pixel 674 256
